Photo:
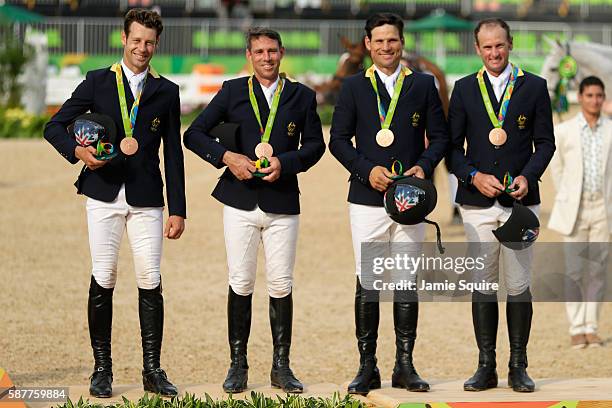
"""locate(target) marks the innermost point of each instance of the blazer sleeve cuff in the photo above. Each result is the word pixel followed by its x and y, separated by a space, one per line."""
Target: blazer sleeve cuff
pixel 289 162
pixel 215 155
pixel 424 164
pixel 362 172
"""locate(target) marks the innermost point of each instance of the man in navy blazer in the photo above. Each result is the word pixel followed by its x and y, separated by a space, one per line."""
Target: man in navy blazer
pixel 278 123
pixel 513 137
pixel 378 144
pixel 125 193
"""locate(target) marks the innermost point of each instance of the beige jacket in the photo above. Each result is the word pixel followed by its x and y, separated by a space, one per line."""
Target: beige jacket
pixel 567 172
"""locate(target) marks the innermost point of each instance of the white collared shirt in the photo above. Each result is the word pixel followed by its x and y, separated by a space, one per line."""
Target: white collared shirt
pixel 592 155
pixel 499 82
pixel 269 92
pixel 136 81
pixel 389 80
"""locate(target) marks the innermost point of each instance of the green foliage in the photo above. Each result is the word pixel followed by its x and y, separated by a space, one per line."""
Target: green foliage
pixel 14 54
pixel 325 112
pixel 255 400
pixel 17 123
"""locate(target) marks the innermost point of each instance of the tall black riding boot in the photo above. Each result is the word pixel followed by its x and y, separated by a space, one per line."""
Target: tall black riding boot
pixel 238 330
pixel 281 322
pixel 485 316
pixel 367 316
pixel 151 313
pixel 100 319
pixel 405 319
pixel 518 313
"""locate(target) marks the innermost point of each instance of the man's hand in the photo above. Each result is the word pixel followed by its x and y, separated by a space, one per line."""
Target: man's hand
pixel 273 171
pixel 522 186
pixel 487 184
pixel 174 227
pixel 86 155
pixel 240 165
pixel 416 171
pixel 380 178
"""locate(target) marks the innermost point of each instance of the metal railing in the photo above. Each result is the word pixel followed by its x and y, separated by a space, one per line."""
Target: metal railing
pixel 186 36
pixel 579 9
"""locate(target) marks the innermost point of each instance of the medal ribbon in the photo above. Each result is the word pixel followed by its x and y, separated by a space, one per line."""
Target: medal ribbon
pixel 265 134
pixel 129 121
pixel 497 121
pixel 387 117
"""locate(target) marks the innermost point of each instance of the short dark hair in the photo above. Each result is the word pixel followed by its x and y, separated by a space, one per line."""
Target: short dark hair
pixel 380 19
pixel 257 32
pixel 147 18
pixel 495 22
pixel 589 81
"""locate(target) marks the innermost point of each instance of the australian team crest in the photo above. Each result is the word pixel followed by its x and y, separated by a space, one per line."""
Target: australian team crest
pixel 291 129
pixel 416 116
pixel 155 124
pixel 407 196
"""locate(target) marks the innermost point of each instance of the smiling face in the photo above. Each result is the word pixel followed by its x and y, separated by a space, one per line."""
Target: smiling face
pixel 591 99
pixel 138 47
pixel 385 47
pixel 493 47
pixel 265 56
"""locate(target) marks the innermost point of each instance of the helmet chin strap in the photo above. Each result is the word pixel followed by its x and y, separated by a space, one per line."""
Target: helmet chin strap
pixel 438 235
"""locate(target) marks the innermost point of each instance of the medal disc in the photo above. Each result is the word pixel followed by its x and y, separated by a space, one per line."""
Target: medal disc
pixel 264 150
pixel 129 146
pixel 384 137
pixel 497 136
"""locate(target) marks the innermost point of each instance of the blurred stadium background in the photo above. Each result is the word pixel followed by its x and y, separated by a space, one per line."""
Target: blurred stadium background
pixel 203 40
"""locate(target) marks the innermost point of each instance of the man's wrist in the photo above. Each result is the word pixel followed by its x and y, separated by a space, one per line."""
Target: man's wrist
pixel 226 157
pixel 470 178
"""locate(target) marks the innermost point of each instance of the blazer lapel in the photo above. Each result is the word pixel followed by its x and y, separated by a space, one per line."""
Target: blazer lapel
pixel 289 89
pixel 520 79
pixel 150 87
pixel 519 82
pixel 262 102
pixel 408 80
pixel 491 93
pixel 385 98
pixel 606 131
pixel 577 159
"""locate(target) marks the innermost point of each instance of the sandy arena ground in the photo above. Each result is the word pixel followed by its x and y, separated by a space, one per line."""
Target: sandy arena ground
pixel 45 267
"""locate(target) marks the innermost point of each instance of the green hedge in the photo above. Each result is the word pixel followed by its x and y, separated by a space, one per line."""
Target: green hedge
pixel 17 123
pixel 255 400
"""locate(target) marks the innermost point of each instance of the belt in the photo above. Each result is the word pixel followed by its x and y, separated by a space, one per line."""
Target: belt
pixel 592 196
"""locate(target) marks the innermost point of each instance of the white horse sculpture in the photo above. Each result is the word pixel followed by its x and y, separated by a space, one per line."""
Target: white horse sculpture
pixel 592 58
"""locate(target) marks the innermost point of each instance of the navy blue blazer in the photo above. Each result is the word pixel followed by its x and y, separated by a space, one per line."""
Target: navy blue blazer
pixel 296 137
pixel 158 118
pixel 356 115
pixel 528 150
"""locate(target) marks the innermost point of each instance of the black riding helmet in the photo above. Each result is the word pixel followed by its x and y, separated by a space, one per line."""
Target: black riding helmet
pixel 97 130
pixel 521 230
pixel 408 200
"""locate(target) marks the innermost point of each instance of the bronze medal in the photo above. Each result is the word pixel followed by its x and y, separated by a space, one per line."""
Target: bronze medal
pixel 497 137
pixel 264 150
pixel 129 146
pixel 384 137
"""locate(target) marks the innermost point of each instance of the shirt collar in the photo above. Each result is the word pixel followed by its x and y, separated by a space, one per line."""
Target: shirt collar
pixel 501 78
pixel 583 122
pixel 270 88
pixel 393 76
pixel 131 75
